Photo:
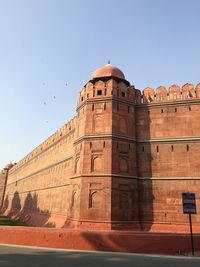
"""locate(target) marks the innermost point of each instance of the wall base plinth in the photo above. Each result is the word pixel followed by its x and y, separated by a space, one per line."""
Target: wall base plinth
pixel 118 241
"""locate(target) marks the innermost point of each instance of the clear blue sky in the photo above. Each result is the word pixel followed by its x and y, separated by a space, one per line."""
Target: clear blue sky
pixel 46 43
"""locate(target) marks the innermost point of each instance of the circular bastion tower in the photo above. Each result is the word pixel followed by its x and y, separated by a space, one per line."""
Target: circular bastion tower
pixel 104 185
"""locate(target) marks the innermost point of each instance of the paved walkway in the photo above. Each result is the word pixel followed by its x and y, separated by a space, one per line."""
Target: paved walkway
pixel 11 255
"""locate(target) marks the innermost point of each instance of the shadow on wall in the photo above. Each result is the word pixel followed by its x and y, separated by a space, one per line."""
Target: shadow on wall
pixel 145 158
pixel 16 205
pixel 29 212
pixel 132 199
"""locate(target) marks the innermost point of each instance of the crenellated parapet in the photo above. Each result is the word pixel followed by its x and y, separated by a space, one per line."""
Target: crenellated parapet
pixel 163 94
pixel 98 89
pixel 54 138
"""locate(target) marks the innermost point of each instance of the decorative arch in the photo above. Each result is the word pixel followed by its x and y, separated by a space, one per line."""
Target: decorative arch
pixel 111 86
pixel 99 85
pixel 96 164
pixel 94 199
pixel 89 86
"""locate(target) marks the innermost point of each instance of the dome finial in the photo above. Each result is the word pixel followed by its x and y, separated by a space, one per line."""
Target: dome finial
pixel 108 61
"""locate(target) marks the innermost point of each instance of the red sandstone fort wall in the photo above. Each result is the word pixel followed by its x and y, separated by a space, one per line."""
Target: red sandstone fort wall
pixel 125 158
pixel 39 183
pixel 168 150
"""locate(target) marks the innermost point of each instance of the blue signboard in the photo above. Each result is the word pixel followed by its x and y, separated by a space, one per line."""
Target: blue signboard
pixel 189 203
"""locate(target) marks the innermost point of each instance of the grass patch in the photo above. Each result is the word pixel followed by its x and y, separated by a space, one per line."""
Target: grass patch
pixel 6 221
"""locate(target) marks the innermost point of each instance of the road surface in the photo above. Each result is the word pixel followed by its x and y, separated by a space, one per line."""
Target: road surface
pixel 11 255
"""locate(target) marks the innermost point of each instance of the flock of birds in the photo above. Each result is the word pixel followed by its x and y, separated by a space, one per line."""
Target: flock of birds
pixel 54 97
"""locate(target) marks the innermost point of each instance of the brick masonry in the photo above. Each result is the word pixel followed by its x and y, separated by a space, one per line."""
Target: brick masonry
pixel 121 163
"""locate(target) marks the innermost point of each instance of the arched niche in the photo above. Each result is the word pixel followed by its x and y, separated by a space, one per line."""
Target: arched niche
pixel 99 85
pixel 95 199
pixel 89 90
pixel 96 163
pixel 111 84
pixel 89 86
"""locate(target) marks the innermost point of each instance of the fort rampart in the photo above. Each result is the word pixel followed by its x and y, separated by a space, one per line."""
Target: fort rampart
pixel 121 163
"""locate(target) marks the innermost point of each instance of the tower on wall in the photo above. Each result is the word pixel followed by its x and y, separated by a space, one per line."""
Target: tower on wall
pixel 104 182
pixel 121 163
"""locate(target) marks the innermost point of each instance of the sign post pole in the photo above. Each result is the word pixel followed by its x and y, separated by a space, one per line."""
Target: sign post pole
pixel 191 234
pixel 189 207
